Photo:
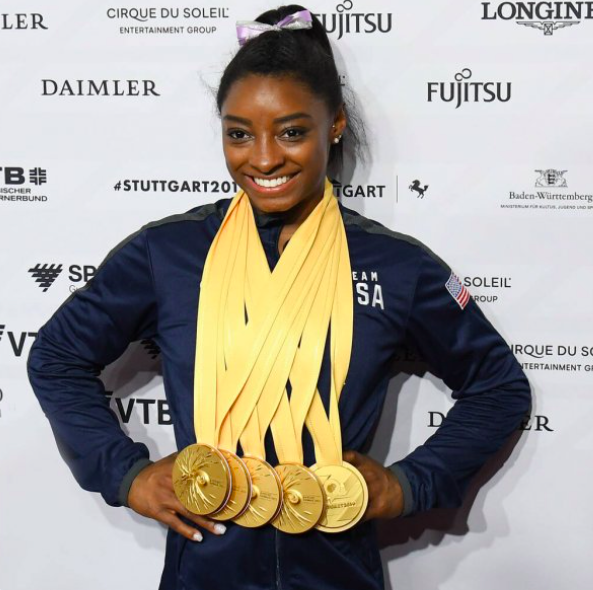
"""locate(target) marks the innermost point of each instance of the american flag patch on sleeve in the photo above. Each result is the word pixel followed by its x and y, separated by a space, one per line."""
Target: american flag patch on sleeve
pixel 457 290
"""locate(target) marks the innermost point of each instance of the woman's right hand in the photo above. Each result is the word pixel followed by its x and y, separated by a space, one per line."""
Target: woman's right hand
pixel 152 495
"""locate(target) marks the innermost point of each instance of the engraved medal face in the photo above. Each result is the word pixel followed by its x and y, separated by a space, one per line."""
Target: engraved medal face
pixel 346 496
pixel 303 499
pixel 240 489
pixel 201 479
pixel 266 494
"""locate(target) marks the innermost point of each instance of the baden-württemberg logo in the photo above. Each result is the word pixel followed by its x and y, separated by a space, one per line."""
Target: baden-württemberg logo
pixel 461 90
pixel 13 181
pixel 346 21
pixel 549 182
pixel 545 16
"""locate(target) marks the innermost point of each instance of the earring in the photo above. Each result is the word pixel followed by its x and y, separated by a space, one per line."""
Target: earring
pixel 337 139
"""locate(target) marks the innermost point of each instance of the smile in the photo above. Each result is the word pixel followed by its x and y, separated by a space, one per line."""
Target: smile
pixel 272 182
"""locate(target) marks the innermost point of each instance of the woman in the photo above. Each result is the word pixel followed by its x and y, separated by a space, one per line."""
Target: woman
pixel 283 119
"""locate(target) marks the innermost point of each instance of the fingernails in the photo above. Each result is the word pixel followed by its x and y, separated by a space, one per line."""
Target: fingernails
pixel 219 529
pixel 197 536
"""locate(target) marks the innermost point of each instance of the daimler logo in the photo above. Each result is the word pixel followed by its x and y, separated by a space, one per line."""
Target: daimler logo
pixel 345 21
pixel 544 16
pixel 20 21
pixel 98 88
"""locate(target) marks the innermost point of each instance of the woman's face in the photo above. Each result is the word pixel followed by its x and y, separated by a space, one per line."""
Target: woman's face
pixel 276 136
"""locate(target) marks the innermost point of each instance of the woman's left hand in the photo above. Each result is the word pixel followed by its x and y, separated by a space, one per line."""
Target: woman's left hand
pixel 386 498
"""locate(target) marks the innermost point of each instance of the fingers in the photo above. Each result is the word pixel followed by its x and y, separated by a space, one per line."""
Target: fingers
pixel 352 457
pixel 213 527
pixel 174 522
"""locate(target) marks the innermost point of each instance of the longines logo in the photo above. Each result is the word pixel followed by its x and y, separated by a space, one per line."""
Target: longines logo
pixel 46 274
pixel 98 88
pixel 344 22
pixel 555 357
pixel 357 190
pixel 462 91
pixel 17 341
pixel 20 21
pixel 176 186
pixel 547 199
pixel 536 423
pixel 544 16
pixel 197 20
pixel 143 410
pixel 13 181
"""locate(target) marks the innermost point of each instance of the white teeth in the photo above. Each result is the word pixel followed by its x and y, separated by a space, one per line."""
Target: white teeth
pixel 271 183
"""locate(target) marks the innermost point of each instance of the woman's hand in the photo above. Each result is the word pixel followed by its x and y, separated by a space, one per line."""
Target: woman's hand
pixel 386 498
pixel 152 495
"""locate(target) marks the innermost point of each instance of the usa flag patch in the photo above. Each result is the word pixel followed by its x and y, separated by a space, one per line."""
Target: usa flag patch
pixel 457 290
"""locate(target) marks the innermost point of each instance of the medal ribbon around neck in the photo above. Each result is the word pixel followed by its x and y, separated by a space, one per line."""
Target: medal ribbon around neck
pixel 242 366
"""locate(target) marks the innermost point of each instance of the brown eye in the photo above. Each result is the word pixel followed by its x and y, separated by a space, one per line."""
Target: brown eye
pixel 237 134
pixel 294 133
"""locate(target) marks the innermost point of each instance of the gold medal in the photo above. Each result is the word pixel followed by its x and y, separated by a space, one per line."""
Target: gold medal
pixel 240 489
pixel 201 479
pixel 303 499
pixel 266 494
pixel 346 496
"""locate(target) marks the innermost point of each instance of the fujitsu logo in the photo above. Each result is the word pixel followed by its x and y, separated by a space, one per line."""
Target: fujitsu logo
pixel 344 22
pixel 45 274
pixel 462 91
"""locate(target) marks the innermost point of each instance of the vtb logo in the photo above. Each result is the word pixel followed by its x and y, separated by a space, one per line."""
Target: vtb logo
pixel 17 340
pixel 15 175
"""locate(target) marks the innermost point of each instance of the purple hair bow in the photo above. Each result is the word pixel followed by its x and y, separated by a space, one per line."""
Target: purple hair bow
pixel 247 29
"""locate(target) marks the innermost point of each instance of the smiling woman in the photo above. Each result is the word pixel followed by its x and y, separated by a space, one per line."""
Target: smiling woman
pixel 279 314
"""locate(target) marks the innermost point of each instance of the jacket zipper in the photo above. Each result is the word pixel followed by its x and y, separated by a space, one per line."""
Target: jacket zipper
pixel 277 551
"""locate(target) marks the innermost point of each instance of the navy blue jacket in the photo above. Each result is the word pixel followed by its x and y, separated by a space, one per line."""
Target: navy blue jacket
pixel 148 287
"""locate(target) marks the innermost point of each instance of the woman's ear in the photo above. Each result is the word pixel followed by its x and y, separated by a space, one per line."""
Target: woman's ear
pixel 339 123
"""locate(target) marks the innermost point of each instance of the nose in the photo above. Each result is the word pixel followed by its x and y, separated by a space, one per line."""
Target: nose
pixel 266 155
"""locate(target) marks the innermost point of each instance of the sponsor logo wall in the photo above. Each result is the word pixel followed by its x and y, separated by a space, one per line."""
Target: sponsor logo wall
pixel 479 124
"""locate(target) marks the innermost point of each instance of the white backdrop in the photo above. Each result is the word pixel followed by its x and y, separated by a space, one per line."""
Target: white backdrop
pixel 509 205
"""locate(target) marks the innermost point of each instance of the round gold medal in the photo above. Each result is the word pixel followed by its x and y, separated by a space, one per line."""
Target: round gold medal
pixel 266 494
pixel 303 499
pixel 240 488
pixel 201 479
pixel 346 496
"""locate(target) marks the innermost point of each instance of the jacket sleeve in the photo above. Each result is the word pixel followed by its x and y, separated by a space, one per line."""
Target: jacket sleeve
pixel 490 390
pixel 90 330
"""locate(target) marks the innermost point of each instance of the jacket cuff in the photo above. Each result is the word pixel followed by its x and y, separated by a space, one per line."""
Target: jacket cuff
pixel 404 482
pixel 126 483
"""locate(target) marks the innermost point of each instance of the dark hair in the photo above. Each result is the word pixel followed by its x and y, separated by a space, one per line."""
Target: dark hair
pixel 305 55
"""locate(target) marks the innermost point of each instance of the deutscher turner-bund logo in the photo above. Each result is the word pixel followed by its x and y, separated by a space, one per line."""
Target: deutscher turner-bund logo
pixel 344 21
pixel 14 181
pixel 545 16
pixel 462 90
